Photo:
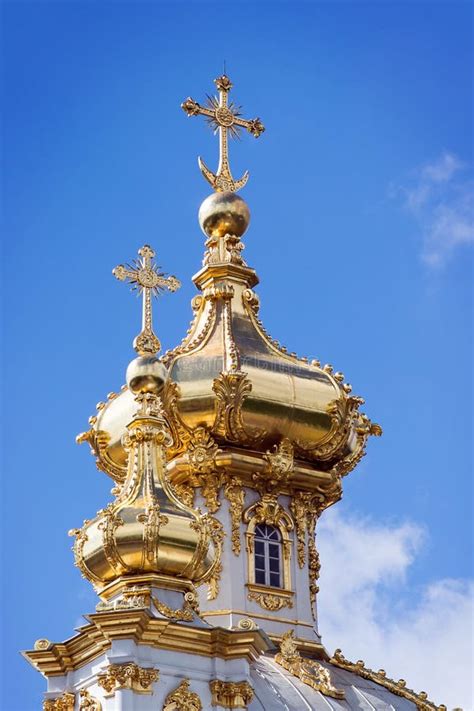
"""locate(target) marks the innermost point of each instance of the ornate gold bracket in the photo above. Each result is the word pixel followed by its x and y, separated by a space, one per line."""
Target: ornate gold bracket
pixel 128 676
pixel 87 702
pixel 231 694
pixel 62 703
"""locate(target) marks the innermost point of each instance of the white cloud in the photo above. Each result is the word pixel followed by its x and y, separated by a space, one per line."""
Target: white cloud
pixel 441 199
pixel 362 611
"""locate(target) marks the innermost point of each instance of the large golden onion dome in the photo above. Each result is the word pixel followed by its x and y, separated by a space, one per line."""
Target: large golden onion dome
pixel 231 378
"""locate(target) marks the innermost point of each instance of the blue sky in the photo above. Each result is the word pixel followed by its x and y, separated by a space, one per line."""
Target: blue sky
pixel 359 192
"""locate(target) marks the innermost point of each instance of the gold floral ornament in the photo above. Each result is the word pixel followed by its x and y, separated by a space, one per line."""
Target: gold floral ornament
pixel 146 278
pixel 380 677
pixel 182 699
pixel 308 670
pixel 128 676
pixel 224 118
pixel 201 455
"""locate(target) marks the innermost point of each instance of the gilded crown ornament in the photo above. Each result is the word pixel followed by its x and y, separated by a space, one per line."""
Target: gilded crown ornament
pixel 225 118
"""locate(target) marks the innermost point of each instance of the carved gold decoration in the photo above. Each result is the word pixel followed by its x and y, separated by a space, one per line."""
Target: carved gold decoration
pixel 62 703
pixel 88 702
pixel 299 507
pixel 380 677
pixel 231 694
pixel 268 510
pixel 231 389
pixel 212 529
pixel 363 428
pixel 270 598
pixel 147 279
pixel 308 670
pixel 223 118
pixel 201 454
pixel 225 249
pixel 279 466
pixel 128 676
pixel 182 699
pixel 235 494
pixel 186 614
pixel 152 519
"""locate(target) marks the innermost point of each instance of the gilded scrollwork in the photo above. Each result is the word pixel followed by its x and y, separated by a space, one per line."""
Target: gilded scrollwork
pixel 299 507
pixel 182 699
pixel 279 464
pixel 235 494
pixel 211 529
pixel 231 694
pixel 399 687
pixel 127 676
pixel 308 670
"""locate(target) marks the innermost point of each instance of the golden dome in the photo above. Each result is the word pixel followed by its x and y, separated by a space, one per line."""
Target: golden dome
pixel 231 378
pixel 147 529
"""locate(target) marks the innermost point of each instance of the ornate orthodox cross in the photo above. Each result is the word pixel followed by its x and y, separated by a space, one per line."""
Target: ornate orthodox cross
pixel 146 278
pixel 224 117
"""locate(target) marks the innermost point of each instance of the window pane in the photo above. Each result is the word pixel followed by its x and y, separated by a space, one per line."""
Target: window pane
pixel 273 534
pixel 260 577
pixel 260 531
pixel 275 580
pixel 259 547
pixel 275 565
pixel 274 550
pixel 260 562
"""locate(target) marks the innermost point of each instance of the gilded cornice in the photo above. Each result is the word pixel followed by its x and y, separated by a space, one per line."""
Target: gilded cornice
pixel 398 688
pixel 96 637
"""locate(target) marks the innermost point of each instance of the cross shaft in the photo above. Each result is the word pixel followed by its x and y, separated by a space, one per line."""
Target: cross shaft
pixel 146 278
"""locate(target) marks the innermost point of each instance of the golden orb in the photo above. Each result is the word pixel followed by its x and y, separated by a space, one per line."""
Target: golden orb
pixel 224 214
pixel 146 374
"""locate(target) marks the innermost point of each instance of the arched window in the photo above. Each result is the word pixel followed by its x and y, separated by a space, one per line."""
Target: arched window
pixel 268 556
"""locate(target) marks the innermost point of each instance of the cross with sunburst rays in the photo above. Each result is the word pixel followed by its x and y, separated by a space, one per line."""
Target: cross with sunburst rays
pixel 225 118
pixel 147 279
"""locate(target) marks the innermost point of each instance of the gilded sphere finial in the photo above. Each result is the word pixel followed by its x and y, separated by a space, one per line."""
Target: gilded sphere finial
pixel 224 213
pixel 146 374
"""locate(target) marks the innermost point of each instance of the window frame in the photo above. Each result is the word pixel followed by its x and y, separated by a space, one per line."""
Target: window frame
pixel 268 543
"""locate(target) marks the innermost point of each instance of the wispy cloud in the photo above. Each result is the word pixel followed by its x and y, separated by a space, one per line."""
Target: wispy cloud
pixel 362 609
pixel 440 197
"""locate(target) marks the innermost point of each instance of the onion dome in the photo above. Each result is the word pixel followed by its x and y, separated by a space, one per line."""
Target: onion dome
pixel 147 529
pixel 231 378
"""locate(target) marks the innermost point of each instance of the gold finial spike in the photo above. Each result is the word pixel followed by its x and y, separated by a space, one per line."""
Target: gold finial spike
pixel 225 118
pixel 148 279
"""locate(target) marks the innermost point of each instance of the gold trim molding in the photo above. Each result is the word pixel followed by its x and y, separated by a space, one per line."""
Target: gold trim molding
pixel 96 637
pixel 380 677
pixel 182 699
pixel 258 616
pixel 128 676
pixel 308 670
pixel 231 694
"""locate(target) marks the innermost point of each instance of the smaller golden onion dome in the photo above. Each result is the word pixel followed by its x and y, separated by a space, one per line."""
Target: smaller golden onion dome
pixel 147 529
pixel 223 214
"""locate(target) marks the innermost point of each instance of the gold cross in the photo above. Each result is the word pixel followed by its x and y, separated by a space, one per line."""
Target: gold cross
pixel 146 278
pixel 223 117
